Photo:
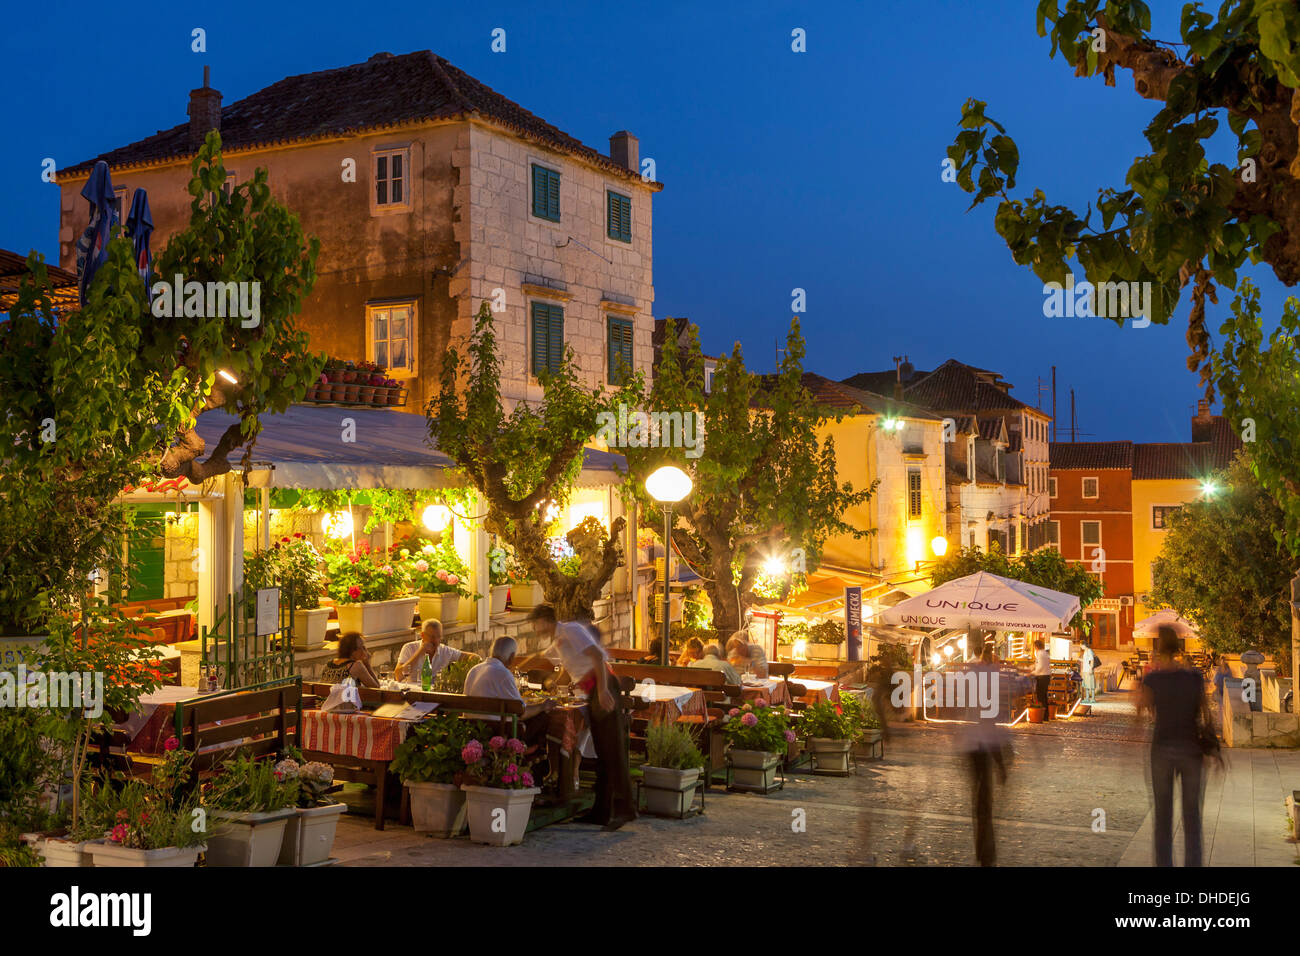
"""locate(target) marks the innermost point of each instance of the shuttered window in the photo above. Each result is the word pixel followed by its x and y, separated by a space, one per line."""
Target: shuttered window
pixel 620 350
pixel 548 337
pixel 618 217
pixel 546 193
pixel 914 493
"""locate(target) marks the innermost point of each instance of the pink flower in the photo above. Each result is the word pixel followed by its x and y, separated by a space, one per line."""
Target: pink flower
pixel 441 575
pixel 507 779
pixel 354 592
pixel 452 580
pixel 513 768
pixel 789 736
pixel 496 743
pixel 528 779
pixel 516 745
pixel 760 702
pixel 387 569
pixel 472 752
pixel 747 707
pixel 422 565
pixel 733 712
pixel 119 833
pixel 749 720
pixel 170 744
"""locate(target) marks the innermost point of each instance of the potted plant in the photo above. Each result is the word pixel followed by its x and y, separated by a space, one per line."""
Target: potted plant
pixel 334 370
pixel 154 823
pixel 866 722
pixel 672 768
pixel 293 565
pixel 826 641
pixel 438 575
pixel 309 836
pixel 369 590
pixel 252 802
pixel 394 391
pixel 525 593
pixel 432 768
pixel 829 732
pixel 499 796
pixel 499 561
pixel 757 736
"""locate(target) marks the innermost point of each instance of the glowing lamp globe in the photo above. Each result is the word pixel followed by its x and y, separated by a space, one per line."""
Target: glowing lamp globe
pixel 939 545
pixel 668 484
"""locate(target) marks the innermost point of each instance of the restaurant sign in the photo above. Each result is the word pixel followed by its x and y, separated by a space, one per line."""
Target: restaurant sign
pixel 268 611
pixel 853 621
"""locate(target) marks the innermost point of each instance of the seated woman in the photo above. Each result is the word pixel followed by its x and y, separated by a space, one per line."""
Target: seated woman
pixel 351 660
pixel 693 651
pixel 746 656
pixel 654 651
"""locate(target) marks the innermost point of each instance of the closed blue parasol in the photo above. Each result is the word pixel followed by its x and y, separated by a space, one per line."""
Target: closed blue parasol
pixel 92 247
pixel 139 226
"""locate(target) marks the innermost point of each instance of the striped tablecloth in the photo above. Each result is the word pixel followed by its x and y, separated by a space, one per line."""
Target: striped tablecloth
pixel 773 690
pixel 668 702
pixel 353 735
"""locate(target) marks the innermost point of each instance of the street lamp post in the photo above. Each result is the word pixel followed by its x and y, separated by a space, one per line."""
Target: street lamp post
pixel 667 485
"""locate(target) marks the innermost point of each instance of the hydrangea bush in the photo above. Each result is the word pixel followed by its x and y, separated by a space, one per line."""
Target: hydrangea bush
pixel 758 726
pixel 501 764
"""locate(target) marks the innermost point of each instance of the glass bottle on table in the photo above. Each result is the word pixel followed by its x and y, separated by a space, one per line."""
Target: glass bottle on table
pixel 426 673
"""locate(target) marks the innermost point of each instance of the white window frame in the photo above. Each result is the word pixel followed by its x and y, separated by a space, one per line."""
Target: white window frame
pixel 1054 534
pixel 122 197
pixel 1085 545
pixel 708 380
pixel 1083 488
pixel 412 335
pixel 396 149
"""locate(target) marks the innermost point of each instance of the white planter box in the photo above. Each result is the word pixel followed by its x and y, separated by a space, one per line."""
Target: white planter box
pixel 526 596
pixel 663 789
pixel 309 627
pixel 377 617
pixel 498 817
pixel 435 808
pixel 247 839
pixel 784 652
pixel 112 855
pixel 499 594
pixel 753 770
pixel 65 853
pixel 825 652
pixel 829 755
pixel 309 837
pixel 439 607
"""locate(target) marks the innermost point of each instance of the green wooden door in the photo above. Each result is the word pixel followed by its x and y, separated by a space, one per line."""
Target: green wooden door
pixel 146 546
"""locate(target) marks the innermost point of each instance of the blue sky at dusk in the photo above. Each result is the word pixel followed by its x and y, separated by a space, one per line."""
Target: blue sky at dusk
pixel 818 170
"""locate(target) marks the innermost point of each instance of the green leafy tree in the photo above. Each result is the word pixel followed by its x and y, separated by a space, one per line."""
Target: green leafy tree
pixel 107 396
pixel 1179 218
pixel 525 463
pixel 1046 568
pixel 765 486
pixel 1223 568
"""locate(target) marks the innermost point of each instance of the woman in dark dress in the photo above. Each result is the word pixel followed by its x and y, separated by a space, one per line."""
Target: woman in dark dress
pixel 1175 696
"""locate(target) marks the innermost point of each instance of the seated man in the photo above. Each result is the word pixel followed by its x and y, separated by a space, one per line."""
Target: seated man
pixel 495 677
pixel 713 660
pixel 411 660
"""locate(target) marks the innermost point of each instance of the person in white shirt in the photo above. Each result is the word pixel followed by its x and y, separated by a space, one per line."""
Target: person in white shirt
pixel 577 648
pixel 495 677
pixel 1087 673
pixel 411 660
pixel 1042 673
pixel 713 661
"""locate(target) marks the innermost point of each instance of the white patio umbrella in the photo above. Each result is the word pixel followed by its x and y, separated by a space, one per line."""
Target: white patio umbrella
pixel 986 601
pixel 1146 628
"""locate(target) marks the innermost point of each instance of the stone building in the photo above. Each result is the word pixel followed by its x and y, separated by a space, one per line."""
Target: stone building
pixel 430 193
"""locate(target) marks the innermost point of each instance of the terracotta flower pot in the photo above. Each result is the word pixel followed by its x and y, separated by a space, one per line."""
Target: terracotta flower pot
pixel 338 392
pixel 350 393
pixel 365 394
pixel 394 396
pixel 380 395
pixel 335 375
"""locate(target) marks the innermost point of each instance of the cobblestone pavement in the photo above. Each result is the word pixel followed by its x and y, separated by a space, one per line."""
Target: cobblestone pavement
pixel 911 808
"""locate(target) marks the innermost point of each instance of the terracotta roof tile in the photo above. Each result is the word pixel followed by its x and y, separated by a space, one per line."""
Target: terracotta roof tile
pixel 839 395
pixel 384 91
pixel 1093 455
pixel 952 387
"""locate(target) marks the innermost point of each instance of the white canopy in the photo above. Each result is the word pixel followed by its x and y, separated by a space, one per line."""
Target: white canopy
pixel 1166 618
pixel 986 601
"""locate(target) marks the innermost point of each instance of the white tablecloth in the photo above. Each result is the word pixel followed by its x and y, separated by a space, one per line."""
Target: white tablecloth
pixel 654 693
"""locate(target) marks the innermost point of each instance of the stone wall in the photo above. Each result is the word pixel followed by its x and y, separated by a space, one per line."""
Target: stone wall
pixel 1243 727
pixel 181 542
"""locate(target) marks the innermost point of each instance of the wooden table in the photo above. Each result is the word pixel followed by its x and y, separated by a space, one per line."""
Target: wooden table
pixel 358 746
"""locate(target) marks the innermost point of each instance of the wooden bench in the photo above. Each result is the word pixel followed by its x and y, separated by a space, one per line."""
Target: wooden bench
pixel 260 721
pixel 627 655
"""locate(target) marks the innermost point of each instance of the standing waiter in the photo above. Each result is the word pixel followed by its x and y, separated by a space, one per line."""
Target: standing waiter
pixel 577 649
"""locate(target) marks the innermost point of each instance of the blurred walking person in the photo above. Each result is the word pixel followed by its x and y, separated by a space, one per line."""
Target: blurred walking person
pixel 1088 671
pixel 1183 735
pixel 1042 674
pixel 984 741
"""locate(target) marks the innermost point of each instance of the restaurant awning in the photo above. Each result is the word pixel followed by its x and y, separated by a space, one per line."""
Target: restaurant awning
pixel 339 447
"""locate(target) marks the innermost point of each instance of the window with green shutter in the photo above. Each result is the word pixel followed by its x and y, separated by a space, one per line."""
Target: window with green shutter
pixel 620 350
pixel 548 337
pixel 618 216
pixel 546 193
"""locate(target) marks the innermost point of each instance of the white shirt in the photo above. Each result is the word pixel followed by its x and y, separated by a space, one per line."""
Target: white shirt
pixel 569 649
pixel 1042 663
pixel 413 655
pixel 1085 661
pixel 492 679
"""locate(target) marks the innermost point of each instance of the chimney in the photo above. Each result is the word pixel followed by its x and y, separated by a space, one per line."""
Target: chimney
pixel 625 149
pixel 205 111
pixel 1202 410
